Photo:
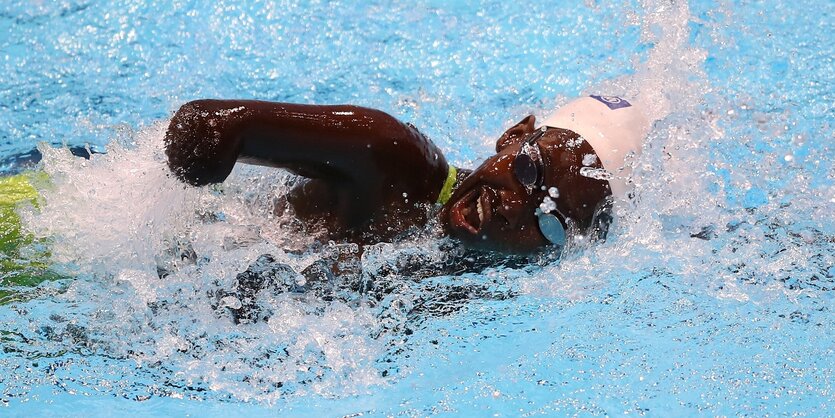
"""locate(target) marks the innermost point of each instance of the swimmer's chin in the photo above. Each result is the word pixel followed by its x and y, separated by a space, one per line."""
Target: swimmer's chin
pixel 485 243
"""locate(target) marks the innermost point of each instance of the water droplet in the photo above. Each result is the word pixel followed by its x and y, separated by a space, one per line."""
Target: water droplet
pixel 595 173
pixel 754 198
pixel 547 205
pixel 230 302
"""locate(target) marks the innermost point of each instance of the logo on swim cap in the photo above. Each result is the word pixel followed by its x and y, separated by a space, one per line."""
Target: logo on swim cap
pixel 613 102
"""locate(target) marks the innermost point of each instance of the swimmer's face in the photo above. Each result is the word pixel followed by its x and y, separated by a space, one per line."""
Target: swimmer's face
pixel 493 210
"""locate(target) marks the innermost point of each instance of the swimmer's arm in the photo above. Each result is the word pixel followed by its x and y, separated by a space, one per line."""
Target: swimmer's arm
pixel 339 143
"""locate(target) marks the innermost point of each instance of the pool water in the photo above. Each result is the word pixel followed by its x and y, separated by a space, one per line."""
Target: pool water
pixel 712 296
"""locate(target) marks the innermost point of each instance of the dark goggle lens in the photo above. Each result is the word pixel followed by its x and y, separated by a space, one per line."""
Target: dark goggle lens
pixel 525 170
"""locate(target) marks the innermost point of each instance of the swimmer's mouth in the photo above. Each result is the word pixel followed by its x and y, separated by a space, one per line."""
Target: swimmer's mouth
pixel 474 209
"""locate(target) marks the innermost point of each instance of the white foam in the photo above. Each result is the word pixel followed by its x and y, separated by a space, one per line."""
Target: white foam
pixel 113 220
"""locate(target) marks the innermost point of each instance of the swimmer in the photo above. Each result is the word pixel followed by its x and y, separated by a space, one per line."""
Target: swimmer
pixel 371 178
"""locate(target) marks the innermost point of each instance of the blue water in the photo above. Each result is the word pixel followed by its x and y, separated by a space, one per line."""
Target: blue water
pixel 714 295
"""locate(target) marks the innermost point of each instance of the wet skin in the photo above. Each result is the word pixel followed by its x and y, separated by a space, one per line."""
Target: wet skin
pixel 372 177
pixel 367 172
pixel 492 210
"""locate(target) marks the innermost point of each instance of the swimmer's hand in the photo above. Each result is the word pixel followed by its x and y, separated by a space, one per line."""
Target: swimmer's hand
pixel 201 142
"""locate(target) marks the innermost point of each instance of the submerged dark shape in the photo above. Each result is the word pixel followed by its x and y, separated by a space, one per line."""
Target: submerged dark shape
pixel 265 274
pixel 372 178
pixel 248 300
pixel 27 160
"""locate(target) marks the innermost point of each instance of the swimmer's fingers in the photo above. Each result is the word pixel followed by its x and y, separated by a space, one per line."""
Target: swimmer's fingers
pixel 201 147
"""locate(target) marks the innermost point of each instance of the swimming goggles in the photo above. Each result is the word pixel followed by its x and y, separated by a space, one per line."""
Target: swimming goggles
pixel 530 172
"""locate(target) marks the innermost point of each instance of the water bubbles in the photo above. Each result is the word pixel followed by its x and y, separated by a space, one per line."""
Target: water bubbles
pixel 553 192
pixel 226 112
pixel 547 205
pixel 574 143
pixel 589 159
pixel 596 173
pixel 230 302
pixel 754 198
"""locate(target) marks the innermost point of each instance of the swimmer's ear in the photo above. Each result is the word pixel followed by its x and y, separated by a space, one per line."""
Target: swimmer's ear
pixel 516 133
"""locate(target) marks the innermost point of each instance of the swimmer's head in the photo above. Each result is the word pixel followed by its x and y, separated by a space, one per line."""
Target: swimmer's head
pixel 499 206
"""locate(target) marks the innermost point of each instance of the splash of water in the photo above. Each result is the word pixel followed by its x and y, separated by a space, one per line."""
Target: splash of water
pixel 165 253
pixel 688 218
